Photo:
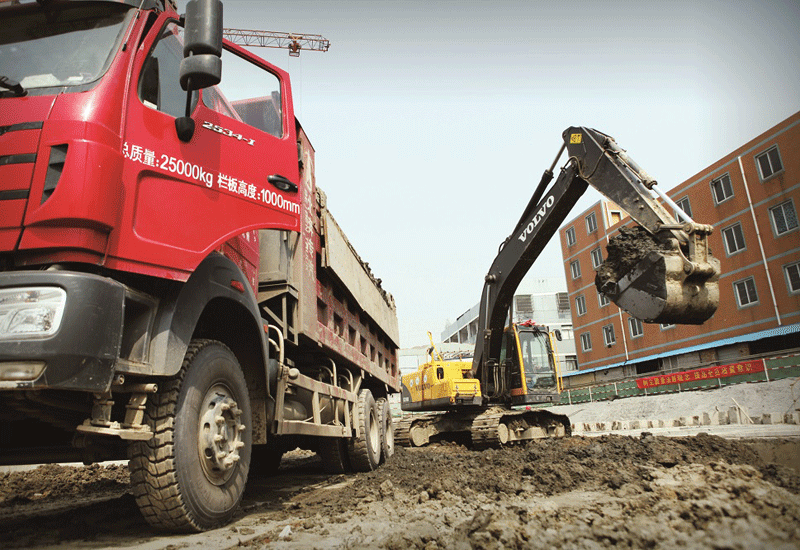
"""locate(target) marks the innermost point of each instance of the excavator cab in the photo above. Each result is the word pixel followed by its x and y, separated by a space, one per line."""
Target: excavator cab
pixel 528 365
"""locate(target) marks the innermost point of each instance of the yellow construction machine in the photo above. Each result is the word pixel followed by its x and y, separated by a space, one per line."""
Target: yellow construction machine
pixel 530 357
pixel 664 273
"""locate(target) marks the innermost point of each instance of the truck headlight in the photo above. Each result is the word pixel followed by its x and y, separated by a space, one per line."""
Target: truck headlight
pixel 18 371
pixel 31 312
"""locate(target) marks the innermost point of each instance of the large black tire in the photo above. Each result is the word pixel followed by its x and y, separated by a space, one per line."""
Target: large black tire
pixel 333 453
pixel 191 475
pixel 387 429
pixel 365 450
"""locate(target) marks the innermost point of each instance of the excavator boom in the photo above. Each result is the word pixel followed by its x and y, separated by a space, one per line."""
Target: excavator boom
pixel 674 280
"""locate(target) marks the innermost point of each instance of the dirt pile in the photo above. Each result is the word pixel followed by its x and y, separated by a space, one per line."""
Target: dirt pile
pixel 54 482
pixel 603 492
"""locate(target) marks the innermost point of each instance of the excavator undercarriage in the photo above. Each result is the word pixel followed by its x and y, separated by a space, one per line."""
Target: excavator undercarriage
pixel 492 427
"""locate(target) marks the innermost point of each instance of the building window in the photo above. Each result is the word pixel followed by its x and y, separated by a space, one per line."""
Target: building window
pixel 597 257
pixel 586 341
pixel 571 236
pixel 769 162
pixel 745 291
pixel 734 239
pixel 524 306
pixel 563 302
pixel 637 329
pixel 684 205
pixel 614 217
pixel 667 326
pixel 603 299
pixel 591 223
pixel 792 272
pixel 608 336
pixel 722 188
pixel 575 269
pixel 570 363
pixel 580 305
pixel 784 217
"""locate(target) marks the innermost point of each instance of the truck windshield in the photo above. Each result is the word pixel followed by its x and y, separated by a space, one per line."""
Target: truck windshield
pixel 539 370
pixel 63 46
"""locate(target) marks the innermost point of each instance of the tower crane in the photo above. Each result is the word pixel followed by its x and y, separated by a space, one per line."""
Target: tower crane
pixel 294 42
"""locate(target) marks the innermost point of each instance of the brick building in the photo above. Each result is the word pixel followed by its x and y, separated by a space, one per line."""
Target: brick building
pixel 751 197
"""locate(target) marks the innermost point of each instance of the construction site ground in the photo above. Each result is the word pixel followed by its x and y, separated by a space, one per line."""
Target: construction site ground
pixel 740 410
pixel 626 489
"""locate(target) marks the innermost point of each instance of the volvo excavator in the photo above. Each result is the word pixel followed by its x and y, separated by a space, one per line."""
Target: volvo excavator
pixel 672 278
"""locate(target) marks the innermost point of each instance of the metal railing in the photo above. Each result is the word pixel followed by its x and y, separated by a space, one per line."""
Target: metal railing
pixel 786 364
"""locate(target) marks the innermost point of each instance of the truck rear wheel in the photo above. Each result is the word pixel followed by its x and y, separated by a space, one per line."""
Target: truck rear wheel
pixel 387 429
pixel 365 449
pixel 333 453
pixel 191 475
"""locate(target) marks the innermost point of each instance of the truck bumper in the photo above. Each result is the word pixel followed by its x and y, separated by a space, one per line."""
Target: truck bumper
pixel 81 351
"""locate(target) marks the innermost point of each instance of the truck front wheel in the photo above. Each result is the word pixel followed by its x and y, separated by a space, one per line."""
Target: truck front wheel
pixel 191 475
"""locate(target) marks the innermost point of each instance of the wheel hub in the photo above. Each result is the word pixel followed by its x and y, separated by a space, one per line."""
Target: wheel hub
pixel 220 435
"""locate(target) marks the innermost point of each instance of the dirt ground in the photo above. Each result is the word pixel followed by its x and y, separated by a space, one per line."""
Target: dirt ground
pixel 602 492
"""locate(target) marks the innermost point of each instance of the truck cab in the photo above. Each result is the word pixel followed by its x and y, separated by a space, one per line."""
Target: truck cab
pixel 95 170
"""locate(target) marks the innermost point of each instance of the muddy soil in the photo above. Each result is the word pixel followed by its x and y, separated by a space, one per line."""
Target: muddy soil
pixel 624 251
pixel 603 492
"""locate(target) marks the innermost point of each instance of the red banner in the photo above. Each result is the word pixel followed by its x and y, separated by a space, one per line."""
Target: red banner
pixel 722 371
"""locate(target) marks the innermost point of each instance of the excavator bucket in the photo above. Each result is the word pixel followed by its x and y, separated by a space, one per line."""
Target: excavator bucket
pixel 656 281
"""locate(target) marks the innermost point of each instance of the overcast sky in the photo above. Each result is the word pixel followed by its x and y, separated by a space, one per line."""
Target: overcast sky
pixel 434 120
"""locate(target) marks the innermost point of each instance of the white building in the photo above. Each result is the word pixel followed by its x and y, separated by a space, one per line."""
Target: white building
pixel 544 300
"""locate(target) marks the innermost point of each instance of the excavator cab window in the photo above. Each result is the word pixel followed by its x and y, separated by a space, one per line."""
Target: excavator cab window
pixel 509 359
pixel 537 361
pixel 440 373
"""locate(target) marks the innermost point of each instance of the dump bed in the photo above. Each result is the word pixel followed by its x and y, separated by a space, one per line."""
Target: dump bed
pixel 332 302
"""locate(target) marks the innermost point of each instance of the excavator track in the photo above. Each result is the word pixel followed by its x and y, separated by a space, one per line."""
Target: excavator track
pixel 493 428
pixel 485 430
pixel 415 431
pixel 497 427
pixel 401 430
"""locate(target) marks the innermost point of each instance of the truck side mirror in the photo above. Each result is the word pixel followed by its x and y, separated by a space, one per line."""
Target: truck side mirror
pixel 201 65
pixel 557 334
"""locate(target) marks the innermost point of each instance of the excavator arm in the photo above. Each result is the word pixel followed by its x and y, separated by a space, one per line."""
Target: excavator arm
pixel 672 278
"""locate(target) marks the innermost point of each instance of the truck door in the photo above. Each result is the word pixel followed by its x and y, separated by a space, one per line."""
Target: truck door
pixel 190 197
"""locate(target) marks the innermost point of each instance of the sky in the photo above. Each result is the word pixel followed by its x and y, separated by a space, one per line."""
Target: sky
pixel 433 121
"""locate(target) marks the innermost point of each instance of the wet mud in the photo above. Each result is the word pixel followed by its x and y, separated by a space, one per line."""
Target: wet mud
pixel 603 492
pixel 624 251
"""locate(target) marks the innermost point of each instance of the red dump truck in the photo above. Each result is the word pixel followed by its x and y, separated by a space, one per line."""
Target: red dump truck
pixel 173 289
